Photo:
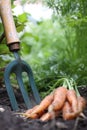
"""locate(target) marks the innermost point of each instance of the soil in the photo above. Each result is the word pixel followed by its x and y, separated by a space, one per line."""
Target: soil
pixel 11 121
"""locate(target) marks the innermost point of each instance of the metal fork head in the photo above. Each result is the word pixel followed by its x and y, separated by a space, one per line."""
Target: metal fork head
pixel 17 67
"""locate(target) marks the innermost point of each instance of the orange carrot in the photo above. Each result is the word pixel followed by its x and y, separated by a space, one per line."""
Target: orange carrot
pixel 31 110
pixel 72 98
pixel 67 112
pixel 32 116
pixel 81 104
pixel 59 98
pixel 27 114
pixel 49 115
pixel 43 105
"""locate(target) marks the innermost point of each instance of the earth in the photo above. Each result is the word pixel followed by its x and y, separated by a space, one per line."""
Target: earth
pixel 9 120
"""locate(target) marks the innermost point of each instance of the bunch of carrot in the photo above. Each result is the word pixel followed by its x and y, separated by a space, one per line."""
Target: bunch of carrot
pixel 61 101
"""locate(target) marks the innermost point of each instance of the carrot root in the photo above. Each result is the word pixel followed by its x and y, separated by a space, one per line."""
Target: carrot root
pixel 81 103
pixel 72 99
pixel 49 115
pixel 67 112
pixel 43 105
pixel 31 110
pixel 59 98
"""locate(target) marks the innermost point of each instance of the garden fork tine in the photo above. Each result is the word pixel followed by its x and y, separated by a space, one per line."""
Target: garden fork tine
pixel 17 66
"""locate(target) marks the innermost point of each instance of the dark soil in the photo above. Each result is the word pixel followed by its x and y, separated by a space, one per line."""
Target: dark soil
pixel 11 121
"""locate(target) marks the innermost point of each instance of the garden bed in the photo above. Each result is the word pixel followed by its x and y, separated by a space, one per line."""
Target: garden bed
pixel 11 121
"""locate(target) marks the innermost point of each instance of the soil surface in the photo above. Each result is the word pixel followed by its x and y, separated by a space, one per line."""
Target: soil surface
pixel 11 121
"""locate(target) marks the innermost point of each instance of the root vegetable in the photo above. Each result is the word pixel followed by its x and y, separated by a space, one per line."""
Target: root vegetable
pixel 43 105
pixel 67 112
pixel 81 104
pixel 31 110
pixel 27 114
pixel 72 99
pixel 49 115
pixel 59 98
pixel 32 116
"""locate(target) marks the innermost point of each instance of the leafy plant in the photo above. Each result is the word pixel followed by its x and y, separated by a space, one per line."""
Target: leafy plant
pixel 53 51
pixel 54 48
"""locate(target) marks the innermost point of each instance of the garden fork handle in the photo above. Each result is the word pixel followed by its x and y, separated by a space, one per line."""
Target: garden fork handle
pixel 9 25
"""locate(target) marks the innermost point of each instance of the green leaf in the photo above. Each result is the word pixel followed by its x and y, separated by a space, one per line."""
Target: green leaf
pixel 20 28
pixel 22 18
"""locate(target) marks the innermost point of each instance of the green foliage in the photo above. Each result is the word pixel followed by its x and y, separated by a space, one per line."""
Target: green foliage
pixel 53 48
pixel 69 7
pixel 72 16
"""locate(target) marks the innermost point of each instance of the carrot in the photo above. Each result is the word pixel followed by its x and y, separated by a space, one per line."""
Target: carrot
pixel 28 112
pixel 43 105
pixel 31 110
pixel 67 112
pixel 49 115
pixel 81 104
pixel 72 98
pixel 32 116
pixel 59 98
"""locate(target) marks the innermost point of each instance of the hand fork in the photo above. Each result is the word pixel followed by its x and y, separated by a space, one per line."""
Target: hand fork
pixel 17 66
